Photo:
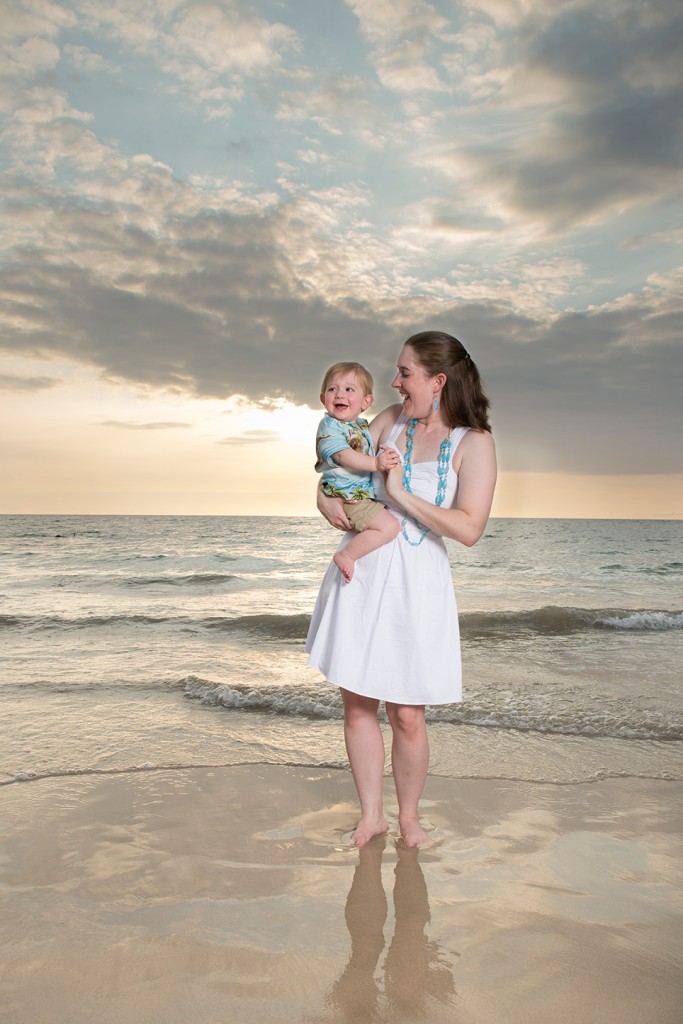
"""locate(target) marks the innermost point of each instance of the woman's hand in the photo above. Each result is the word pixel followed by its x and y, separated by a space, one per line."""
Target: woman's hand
pixel 332 509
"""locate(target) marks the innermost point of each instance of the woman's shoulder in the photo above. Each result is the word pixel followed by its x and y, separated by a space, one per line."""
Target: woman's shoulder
pixel 475 444
pixel 383 422
pixel 476 439
pixel 387 417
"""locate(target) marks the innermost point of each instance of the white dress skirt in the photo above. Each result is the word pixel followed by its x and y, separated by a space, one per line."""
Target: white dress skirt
pixel 392 632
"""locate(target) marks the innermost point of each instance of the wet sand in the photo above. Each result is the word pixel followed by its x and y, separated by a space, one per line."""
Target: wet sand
pixel 229 895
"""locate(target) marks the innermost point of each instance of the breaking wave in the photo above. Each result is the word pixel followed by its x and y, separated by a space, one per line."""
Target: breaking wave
pixel 519 711
pixel 552 620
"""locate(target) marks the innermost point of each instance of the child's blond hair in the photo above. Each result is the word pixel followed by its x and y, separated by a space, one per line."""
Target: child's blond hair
pixel 364 376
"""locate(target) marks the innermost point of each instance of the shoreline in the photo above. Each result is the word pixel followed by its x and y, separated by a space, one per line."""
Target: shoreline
pixel 150 730
pixel 603 775
pixel 228 893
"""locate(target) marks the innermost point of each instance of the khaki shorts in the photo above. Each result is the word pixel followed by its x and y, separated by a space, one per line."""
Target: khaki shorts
pixel 361 513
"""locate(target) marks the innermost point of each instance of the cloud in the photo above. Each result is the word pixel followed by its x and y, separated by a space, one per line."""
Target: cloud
pixel 385 21
pixel 460 211
pixel 190 300
pixel 217 307
pixel 598 386
pixel 34 18
pixel 212 290
pixel 88 61
pixel 252 437
pixel 606 89
pixel 603 161
pixel 205 50
pixel 14 382
pixel 341 105
pixel 28 44
pixel 670 236
pixel 403 35
pixel 130 425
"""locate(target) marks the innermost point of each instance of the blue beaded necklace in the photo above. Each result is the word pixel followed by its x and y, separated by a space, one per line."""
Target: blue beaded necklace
pixel 442 464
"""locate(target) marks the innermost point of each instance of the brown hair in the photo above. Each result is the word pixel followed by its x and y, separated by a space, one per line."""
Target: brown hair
pixel 464 401
pixel 364 376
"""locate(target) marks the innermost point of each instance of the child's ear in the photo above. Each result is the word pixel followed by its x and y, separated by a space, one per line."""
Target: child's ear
pixel 367 402
pixel 322 399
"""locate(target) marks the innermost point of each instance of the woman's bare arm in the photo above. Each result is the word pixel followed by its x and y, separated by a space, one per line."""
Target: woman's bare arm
pixel 476 483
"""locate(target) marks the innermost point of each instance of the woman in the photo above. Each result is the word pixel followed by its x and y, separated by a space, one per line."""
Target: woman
pixel 391 634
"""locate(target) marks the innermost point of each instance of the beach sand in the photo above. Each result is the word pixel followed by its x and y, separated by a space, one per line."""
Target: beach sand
pixel 229 895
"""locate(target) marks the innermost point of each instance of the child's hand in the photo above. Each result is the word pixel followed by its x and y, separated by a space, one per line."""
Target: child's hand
pixel 387 459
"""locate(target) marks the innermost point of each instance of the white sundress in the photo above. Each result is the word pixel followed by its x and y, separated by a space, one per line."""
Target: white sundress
pixel 392 632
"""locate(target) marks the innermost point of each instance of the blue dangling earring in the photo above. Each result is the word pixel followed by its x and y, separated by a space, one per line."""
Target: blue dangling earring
pixel 436 403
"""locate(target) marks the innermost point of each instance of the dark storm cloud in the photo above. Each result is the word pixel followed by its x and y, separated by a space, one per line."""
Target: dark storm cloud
pixel 591 391
pixel 218 314
pixel 615 133
pixel 609 44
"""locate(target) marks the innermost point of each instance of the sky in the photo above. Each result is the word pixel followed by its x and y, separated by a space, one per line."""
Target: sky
pixel 205 204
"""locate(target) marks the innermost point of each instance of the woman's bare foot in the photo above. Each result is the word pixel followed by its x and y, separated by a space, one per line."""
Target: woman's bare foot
pixel 345 564
pixel 412 832
pixel 367 830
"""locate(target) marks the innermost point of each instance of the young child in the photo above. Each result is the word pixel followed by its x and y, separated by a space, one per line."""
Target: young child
pixel 346 460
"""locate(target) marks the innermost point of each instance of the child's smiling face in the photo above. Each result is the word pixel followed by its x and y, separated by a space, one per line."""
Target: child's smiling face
pixel 343 398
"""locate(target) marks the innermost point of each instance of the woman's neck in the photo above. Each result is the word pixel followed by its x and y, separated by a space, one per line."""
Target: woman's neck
pixel 432 423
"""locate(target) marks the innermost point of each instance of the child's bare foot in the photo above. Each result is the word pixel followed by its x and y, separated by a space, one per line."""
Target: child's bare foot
pixel 412 832
pixel 367 829
pixel 345 564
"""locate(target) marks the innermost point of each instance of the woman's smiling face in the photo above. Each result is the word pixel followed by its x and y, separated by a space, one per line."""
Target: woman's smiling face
pixel 414 386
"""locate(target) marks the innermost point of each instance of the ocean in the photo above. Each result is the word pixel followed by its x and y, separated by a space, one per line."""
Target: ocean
pixel 130 643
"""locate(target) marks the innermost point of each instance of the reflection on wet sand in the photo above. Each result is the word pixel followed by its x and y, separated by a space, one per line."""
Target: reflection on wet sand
pixel 416 969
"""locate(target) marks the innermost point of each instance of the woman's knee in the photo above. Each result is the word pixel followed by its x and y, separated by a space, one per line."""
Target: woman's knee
pixel 358 709
pixel 407 719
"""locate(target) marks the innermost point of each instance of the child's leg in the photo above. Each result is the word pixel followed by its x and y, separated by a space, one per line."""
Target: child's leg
pixel 380 530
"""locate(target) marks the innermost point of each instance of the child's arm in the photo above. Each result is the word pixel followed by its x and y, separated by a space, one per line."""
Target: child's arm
pixel 359 463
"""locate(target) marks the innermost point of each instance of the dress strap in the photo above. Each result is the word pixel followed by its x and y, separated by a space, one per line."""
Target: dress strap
pixel 457 434
pixel 396 430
